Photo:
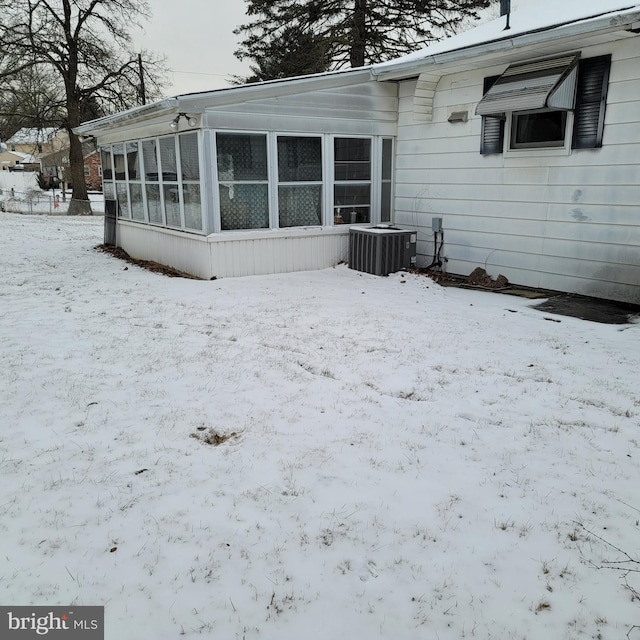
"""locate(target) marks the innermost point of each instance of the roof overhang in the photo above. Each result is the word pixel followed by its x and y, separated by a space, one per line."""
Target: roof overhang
pixel 195 104
pixel 553 39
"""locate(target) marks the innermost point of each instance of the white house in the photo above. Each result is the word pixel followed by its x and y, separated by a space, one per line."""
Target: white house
pixel 524 141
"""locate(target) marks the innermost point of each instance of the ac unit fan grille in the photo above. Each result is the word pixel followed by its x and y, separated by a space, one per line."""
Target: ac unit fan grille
pixel 381 252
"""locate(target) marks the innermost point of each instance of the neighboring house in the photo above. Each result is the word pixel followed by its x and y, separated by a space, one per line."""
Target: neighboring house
pixel 526 142
pixel 17 160
pixel 38 142
pixel 56 165
pixel 92 169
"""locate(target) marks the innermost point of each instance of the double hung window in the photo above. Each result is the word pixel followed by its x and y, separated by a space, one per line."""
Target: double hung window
pixel 299 181
pixel 352 180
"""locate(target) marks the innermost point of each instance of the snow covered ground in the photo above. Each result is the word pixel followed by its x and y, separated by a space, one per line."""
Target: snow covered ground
pixel 403 460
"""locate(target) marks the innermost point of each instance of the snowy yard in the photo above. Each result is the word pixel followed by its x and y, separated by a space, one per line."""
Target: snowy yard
pixel 399 460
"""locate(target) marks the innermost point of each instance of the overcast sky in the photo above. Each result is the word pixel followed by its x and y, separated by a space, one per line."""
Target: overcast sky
pixel 196 36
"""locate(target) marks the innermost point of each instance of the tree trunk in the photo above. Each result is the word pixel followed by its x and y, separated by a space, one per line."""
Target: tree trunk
pixel 358 34
pixel 79 204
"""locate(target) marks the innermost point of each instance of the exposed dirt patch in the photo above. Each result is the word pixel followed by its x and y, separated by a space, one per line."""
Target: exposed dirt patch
pixel 477 279
pixel 149 265
pixel 213 437
pixel 480 278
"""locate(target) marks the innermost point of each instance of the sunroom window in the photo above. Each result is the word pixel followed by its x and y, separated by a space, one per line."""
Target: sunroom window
pixel 352 180
pixel 135 184
pixel 243 180
pixel 299 181
pixel 190 169
pixel 108 186
pixel 156 180
pixel 152 180
pixel 170 189
pixel 120 174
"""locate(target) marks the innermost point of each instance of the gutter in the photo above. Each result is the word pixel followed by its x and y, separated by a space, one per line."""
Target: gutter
pixel 587 26
pixel 134 114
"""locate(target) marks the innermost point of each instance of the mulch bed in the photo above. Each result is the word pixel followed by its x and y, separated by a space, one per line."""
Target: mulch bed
pixel 149 265
pixel 478 278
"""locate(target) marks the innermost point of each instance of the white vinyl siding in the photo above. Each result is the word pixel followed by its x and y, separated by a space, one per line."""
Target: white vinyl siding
pixel 567 221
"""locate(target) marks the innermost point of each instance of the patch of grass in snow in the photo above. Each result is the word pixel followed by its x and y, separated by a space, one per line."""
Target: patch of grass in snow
pixel 213 437
pixel 543 605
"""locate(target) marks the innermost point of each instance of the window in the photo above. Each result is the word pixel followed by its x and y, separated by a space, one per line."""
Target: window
pixel 118 162
pixel 538 129
pixel 105 158
pixel 190 170
pixel 387 177
pixel 134 178
pixel 243 180
pixel 352 180
pixel 120 174
pixel 299 181
pixel 554 82
pixel 108 187
pixel 170 189
pixel 152 180
pixel 156 180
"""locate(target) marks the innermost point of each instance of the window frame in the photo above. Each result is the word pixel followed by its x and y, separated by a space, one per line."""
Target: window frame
pixel 559 143
pixel 268 180
pixel 160 183
pixel 374 170
pixel 298 183
pixel 328 181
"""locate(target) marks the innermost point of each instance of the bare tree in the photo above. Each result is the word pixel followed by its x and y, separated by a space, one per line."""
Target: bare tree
pixel 28 98
pixel 84 47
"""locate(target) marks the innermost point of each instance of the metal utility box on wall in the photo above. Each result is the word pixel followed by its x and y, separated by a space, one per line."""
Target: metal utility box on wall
pixel 381 250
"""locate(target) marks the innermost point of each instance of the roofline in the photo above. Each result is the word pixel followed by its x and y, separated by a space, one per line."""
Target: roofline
pixel 584 26
pixel 194 102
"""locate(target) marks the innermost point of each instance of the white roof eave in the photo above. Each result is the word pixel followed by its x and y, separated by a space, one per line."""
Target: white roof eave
pixel 136 114
pixel 477 54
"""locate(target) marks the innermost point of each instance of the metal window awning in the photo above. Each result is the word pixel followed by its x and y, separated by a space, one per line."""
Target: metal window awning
pixel 542 84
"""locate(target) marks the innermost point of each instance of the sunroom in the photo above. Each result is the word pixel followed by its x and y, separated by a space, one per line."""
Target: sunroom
pixel 251 180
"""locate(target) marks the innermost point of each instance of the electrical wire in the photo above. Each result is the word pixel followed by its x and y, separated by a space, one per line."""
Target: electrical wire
pixel 437 250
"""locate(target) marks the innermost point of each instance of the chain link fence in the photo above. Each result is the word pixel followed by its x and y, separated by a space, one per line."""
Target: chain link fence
pixel 36 201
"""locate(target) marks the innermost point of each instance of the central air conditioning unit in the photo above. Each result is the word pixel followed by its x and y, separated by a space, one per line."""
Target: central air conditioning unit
pixel 381 250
